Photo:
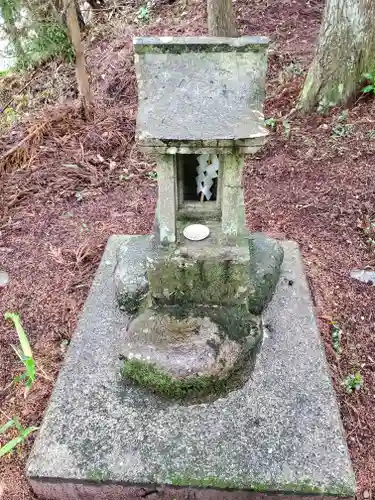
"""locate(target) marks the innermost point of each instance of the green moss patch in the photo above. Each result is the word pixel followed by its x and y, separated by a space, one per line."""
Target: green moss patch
pixel 302 487
pixel 150 376
pixel 234 323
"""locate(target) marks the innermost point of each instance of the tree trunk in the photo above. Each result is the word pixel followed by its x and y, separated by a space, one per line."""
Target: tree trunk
pixel 81 73
pixel 346 50
pixel 221 20
pixel 80 19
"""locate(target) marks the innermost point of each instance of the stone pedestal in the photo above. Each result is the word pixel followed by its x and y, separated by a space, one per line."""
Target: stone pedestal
pixel 199 307
pixel 197 274
pixel 278 434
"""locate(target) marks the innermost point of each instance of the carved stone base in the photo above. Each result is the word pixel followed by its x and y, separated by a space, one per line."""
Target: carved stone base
pixel 191 354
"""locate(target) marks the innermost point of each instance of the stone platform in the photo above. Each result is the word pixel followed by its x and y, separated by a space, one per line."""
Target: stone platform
pixel 281 434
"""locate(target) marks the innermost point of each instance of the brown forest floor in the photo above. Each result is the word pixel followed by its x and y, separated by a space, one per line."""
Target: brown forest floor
pixel 312 185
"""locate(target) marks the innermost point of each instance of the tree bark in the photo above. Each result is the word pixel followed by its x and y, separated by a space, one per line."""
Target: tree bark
pixel 345 50
pixel 221 20
pixel 81 73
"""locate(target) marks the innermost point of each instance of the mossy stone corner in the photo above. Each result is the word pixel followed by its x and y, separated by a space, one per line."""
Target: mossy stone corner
pixel 130 275
pixel 266 258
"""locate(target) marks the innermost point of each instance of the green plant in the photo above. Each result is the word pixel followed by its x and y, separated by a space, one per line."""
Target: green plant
pixel 270 122
pixel 370 87
pixel 336 334
pixel 35 31
pixel 23 352
pixel 10 115
pixel 97 475
pixel 11 15
pixel 152 175
pixel 353 382
pixel 46 41
pixel 23 433
pixel 368 227
pixel 143 13
pixel 342 129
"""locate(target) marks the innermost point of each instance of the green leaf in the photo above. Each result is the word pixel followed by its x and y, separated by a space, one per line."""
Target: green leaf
pixel 368 88
pixel 30 368
pixel 368 76
pixel 28 431
pixel 8 447
pixel 19 378
pixel 25 346
pixel 7 426
pixel 17 423
pixel 270 122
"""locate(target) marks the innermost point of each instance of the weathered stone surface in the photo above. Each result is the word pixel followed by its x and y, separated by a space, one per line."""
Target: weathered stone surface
pixel 206 275
pixel 232 205
pixel 265 266
pixel 4 278
pixel 101 491
pixel 130 275
pixel 167 199
pixel 179 346
pixel 281 432
pixel 364 275
pixel 217 87
pixel 187 355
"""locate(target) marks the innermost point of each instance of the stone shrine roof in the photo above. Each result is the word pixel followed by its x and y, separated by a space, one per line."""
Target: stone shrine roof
pixel 200 92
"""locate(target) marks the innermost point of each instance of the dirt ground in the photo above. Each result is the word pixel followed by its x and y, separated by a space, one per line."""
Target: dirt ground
pixel 72 184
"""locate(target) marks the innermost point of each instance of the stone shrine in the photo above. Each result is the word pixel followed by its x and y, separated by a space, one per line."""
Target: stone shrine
pixel 200 111
pixel 197 370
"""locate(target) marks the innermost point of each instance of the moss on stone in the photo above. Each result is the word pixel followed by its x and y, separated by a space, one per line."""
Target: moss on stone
pixel 264 271
pixel 234 323
pixel 196 47
pixel 303 487
pixel 204 482
pixel 176 279
pixel 150 376
pixel 97 475
pixel 133 303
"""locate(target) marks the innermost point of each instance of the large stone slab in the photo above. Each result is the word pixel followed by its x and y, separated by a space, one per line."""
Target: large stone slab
pixel 281 433
pixel 217 86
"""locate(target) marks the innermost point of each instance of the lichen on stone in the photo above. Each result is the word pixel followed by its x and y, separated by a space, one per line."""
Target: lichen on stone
pixel 131 302
pixel 186 352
